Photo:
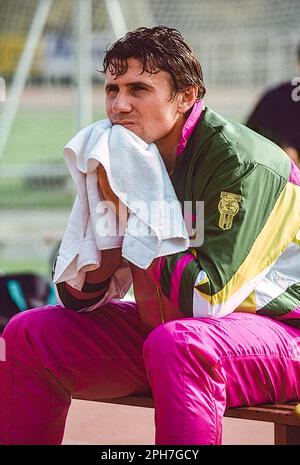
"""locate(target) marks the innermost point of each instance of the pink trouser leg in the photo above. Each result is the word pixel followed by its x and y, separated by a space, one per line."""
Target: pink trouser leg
pixel 198 367
pixel 53 353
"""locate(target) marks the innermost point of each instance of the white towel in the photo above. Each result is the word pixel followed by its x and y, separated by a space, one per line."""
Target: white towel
pixel 137 175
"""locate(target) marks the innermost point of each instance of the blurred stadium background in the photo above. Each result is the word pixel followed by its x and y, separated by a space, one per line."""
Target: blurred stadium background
pixel 50 51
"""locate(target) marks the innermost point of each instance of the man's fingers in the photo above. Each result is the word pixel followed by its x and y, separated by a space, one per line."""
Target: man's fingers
pixel 109 195
pixel 106 190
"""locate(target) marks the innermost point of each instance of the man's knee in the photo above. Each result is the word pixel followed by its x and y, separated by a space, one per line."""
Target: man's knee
pixel 165 341
pixel 29 319
pixel 182 339
pixel 26 327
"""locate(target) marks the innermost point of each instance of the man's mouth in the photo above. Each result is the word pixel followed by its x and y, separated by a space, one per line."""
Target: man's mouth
pixel 123 123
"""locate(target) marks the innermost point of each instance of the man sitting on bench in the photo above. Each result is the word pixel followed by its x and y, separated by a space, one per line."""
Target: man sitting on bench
pixel 214 326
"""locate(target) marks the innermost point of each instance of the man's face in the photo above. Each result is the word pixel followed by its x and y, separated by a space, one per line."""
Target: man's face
pixel 142 102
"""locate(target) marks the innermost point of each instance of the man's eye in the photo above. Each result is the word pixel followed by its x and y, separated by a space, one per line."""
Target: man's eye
pixel 137 88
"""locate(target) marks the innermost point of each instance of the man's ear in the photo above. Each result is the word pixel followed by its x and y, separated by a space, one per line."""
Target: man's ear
pixel 187 99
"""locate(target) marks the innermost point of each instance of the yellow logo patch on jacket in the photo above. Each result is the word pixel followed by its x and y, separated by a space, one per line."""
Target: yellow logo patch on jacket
pixel 228 208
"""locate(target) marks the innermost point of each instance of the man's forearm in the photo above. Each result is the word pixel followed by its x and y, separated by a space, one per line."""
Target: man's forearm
pixel 110 261
pixel 96 283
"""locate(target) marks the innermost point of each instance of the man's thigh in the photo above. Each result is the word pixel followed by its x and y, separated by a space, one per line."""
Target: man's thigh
pixel 259 356
pixel 252 359
pixel 94 354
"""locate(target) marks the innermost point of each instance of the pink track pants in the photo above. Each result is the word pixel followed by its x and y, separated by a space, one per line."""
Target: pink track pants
pixel 195 368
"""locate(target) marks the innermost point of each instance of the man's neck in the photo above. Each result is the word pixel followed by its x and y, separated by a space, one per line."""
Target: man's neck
pixel 168 145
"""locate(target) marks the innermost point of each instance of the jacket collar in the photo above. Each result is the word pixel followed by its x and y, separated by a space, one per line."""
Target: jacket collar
pixel 189 125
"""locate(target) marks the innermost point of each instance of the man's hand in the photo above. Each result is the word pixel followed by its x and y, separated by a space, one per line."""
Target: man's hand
pixel 110 196
pixel 117 206
pixel 111 258
pixel 106 191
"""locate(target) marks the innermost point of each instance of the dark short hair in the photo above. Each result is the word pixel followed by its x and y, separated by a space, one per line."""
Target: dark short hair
pixel 157 48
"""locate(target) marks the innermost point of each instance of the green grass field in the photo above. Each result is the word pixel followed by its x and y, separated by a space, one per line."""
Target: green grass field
pixel 37 137
pixel 40 131
pixel 21 266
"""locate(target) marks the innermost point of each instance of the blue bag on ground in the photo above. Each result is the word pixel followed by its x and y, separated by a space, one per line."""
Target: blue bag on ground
pixel 22 291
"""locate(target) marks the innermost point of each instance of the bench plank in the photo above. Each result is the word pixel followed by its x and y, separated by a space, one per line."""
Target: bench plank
pixel 286 422
pixel 271 413
pixel 285 435
pixel 135 401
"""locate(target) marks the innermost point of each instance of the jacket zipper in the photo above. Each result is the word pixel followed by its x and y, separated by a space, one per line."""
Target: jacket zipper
pixel 161 306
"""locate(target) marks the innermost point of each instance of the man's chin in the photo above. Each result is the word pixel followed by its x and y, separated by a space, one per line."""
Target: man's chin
pixel 136 131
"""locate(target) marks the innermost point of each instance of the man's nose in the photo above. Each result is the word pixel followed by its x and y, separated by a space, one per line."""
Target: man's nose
pixel 121 104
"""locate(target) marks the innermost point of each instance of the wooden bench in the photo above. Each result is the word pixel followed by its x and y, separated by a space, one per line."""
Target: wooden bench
pixel 286 421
